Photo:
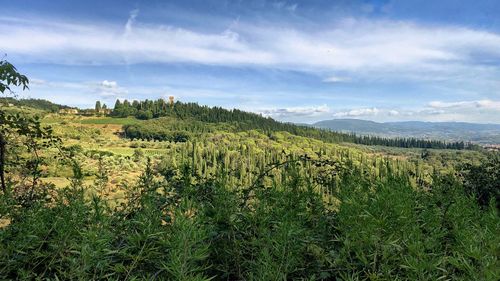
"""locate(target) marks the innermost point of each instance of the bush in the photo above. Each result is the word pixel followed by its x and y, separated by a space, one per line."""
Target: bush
pixel 180 226
pixel 144 114
pixel 483 181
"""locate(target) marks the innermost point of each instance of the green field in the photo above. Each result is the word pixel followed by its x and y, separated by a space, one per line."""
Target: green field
pixel 110 120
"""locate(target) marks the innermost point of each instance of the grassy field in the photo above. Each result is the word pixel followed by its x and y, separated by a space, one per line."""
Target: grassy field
pixel 110 120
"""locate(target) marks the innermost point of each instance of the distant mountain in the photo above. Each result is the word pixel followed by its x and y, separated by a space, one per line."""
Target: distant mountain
pixel 451 131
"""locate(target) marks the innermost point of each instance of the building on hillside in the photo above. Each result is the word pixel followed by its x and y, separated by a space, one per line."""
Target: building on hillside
pixel 104 111
pixel 492 147
pixel 68 111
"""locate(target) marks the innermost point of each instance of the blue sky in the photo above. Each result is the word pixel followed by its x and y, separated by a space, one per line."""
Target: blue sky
pixel 298 61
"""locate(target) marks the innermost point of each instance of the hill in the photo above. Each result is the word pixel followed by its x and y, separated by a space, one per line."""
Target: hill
pixel 203 193
pixel 40 104
pixel 240 120
pixel 449 131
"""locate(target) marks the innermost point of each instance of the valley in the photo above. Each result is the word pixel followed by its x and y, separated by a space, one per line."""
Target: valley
pixel 196 193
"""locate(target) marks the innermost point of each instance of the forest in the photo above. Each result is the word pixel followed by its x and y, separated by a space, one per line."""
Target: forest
pixel 152 190
pixel 241 121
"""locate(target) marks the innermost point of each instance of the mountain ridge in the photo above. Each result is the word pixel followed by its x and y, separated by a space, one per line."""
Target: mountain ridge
pixel 487 133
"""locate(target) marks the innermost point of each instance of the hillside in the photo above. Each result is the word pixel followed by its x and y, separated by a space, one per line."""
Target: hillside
pixel 199 193
pixel 240 121
pixel 38 104
pixel 449 131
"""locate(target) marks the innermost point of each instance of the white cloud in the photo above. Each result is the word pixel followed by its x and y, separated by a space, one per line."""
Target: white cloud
pixel 110 89
pixel 36 81
pixel 489 104
pixel 105 88
pixel 358 112
pixel 109 84
pixel 130 21
pixel 393 112
pixel 481 111
pixel 480 104
pixel 336 79
pixel 305 111
pixel 347 45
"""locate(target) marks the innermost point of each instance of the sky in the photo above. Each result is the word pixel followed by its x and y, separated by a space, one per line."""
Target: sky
pixel 295 61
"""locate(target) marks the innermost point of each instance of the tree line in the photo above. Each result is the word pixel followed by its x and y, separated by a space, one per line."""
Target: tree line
pixel 33 103
pixel 242 120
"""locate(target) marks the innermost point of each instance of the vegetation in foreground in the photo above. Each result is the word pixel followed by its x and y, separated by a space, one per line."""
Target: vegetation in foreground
pixel 175 227
pixel 231 203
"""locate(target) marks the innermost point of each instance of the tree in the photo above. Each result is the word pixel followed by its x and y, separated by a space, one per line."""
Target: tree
pixel 8 77
pixel 118 109
pixel 97 106
pixel 21 132
pixel 118 105
pixel 144 114
pixel 483 181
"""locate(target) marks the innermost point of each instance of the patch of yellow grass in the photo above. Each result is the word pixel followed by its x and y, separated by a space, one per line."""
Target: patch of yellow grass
pixel 59 182
pixel 4 222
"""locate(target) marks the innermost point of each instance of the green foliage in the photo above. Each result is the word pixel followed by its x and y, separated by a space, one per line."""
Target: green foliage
pixel 188 244
pixel 158 131
pixel 144 114
pixel 97 106
pixel 34 103
pixel 107 120
pixel 10 77
pixel 22 141
pixel 483 181
pixel 400 233
pixel 138 155
pixel 296 227
pixel 238 120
